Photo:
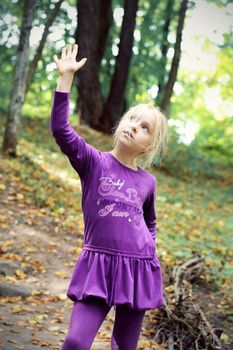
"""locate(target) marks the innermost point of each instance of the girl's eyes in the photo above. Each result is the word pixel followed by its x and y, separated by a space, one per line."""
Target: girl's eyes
pixel 132 117
pixel 145 127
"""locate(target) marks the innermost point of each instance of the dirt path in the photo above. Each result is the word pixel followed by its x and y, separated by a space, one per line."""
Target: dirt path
pixel 42 320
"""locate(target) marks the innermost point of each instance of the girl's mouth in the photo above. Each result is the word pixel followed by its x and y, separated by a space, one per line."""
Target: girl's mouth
pixel 127 134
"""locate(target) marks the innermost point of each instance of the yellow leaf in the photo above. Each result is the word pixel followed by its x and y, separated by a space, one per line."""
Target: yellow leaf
pixel 225 337
pixel 31 250
pixel 9 242
pixel 54 328
pixel 62 274
pixel 169 288
pixel 35 292
pixel 4 226
pixel 21 323
pixel 17 309
pixel 62 296
pixel 20 274
pixel 19 196
pixel 3 218
pixel 76 250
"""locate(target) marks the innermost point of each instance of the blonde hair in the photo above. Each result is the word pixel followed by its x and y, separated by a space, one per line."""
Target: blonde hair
pixel 160 138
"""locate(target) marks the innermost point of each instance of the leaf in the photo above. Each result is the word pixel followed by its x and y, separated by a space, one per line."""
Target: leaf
pixel 62 274
pixel 169 288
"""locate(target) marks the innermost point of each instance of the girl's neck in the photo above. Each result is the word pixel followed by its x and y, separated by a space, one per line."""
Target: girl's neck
pixel 128 161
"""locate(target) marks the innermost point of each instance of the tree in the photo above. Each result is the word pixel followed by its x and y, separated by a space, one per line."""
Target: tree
pixel 94 21
pixel 115 102
pixel 168 13
pixel 33 65
pixel 19 80
pixel 168 88
pixel 92 41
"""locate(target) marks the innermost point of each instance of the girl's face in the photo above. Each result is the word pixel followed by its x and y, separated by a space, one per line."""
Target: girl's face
pixel 136 131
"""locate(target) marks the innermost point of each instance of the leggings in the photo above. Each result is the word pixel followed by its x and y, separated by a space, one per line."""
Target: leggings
pixel 88 315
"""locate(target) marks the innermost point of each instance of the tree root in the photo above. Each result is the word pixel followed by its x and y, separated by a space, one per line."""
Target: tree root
pixel 181 323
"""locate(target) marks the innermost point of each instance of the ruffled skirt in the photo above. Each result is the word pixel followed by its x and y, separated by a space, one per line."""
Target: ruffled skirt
pixel 119 279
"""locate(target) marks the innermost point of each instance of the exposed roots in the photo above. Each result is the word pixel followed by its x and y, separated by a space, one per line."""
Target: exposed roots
pixel 181 324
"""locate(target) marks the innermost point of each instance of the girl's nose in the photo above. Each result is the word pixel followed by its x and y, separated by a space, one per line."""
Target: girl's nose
pixel 134 128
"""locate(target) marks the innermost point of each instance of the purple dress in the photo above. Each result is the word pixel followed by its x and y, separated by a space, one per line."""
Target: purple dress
pixel 118 261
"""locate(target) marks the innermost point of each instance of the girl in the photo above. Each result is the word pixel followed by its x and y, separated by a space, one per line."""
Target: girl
pixel 118 265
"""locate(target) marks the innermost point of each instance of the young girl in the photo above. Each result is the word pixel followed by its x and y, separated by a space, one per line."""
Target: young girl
pixel 118 265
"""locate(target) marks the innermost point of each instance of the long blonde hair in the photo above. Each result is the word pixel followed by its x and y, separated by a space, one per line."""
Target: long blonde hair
pixel 158 147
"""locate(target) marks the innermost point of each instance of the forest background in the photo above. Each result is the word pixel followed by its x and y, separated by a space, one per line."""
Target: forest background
pixel 176 54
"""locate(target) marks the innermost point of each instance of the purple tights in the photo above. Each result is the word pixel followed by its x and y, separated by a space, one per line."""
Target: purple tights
pixel 88 315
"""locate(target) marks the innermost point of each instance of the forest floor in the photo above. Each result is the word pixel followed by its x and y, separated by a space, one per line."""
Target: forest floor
pixel 43 260
pixel 41 229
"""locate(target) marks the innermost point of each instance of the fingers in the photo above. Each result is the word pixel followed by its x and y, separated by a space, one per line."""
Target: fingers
pixel 81 63
pixel 69 50
pixel 55 58
pixel 63 52
pixel 75 51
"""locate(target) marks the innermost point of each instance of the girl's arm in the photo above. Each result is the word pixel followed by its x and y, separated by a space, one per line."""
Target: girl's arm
pixel 81 155
pixel 64 82
pixel 149 212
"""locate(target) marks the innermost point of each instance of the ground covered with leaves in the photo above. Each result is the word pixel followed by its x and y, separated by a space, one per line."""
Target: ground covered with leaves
pixel 41 229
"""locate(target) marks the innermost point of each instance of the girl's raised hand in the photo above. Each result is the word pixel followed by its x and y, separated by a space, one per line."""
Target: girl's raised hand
pixel 67 64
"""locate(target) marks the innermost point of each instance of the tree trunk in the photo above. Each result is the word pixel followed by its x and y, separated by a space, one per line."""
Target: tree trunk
pixel 94 21
pixel 32 68
pixel 164 49
pixel 114 105
pixel 143 51
pixel 19 81
pixel 105 22
pixel 165 101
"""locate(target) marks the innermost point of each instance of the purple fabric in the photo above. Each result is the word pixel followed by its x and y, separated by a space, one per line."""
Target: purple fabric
pixel 126 330
pixel 118 261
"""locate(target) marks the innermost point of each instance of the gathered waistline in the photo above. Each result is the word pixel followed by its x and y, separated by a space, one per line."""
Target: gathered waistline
pixel 116 252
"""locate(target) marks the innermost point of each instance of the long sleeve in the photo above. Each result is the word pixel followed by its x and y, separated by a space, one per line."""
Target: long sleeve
pixel 150 213
pixel 82 155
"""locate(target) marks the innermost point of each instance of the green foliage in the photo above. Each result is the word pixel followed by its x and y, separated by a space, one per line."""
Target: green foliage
pixel 44 80
pixel 223 76
pixel 210 153
pixel 7 62
pixel 215 140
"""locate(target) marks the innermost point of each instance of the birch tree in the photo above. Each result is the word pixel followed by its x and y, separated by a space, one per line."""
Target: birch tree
pixel 19 81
